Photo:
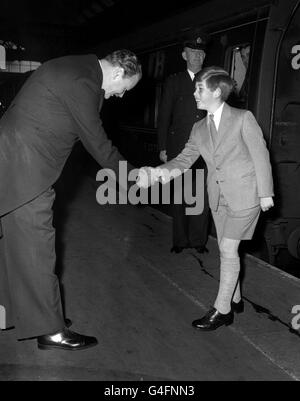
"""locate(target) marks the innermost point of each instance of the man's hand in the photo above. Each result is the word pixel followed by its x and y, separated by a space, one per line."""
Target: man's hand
pixel 147 176
pixel 163 156
pixel 266 203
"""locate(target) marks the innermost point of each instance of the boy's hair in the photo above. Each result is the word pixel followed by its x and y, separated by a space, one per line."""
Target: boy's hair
pixel 127 60
pixel 216 77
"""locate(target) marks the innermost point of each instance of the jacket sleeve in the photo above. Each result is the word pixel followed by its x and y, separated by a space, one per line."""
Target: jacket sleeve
pixel 185 159
pixel 253 137
pixel 165 113
pixel 82 102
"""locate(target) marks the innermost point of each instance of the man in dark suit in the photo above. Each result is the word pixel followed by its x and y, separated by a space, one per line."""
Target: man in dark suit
pixel 58 105
pixel 177 115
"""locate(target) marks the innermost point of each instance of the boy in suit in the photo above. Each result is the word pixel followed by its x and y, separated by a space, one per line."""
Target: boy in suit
pixel 239 181
pixel 177 115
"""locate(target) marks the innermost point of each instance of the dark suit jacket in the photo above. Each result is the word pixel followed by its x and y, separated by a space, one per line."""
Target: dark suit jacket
pixel 177 113
pixel 58 105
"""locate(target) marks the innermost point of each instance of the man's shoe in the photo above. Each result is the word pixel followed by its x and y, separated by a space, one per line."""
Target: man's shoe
pixel 237 307
pixel 177 249
pixel 66 340
pixel 213 319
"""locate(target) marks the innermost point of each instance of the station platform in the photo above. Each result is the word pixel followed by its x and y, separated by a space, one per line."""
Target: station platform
pixel 121 284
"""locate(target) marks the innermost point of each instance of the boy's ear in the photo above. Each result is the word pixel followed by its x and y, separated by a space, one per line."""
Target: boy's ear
pixel 217 93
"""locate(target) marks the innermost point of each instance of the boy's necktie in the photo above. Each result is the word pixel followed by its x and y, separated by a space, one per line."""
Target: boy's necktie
pixel 213 129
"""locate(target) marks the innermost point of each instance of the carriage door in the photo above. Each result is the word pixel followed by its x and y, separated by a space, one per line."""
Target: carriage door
pixel 285 143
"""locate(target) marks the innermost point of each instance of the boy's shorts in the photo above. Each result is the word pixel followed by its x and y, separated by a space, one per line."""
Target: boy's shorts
pixel 239 225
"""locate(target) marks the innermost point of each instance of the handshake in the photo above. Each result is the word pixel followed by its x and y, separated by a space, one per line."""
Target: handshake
pixel 148 176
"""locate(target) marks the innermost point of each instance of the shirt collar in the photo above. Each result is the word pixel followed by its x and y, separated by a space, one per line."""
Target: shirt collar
pixel 191 74
pixel 217 115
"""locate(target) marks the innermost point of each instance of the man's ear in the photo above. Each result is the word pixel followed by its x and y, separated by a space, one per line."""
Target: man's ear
pixel 184 55
pixel 118 72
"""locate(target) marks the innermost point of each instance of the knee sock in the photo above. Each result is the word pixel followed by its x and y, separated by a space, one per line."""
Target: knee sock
pixel 229 273
pixel 237 293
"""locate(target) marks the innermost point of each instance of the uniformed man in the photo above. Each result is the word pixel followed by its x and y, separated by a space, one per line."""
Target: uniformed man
pixel 177 115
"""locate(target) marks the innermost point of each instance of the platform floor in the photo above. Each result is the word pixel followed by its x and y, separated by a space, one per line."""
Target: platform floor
pixel 122 285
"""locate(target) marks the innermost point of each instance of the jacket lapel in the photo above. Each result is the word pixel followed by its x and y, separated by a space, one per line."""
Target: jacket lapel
pixel 205 140
pixel 225 124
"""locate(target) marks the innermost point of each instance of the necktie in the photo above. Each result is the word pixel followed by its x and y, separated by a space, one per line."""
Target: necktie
pixel 213 129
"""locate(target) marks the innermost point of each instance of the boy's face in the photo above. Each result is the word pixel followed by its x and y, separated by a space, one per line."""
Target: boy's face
pixel 205 98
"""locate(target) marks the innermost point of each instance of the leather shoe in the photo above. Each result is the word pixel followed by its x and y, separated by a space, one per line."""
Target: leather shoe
pixel 66 340
pixel 177 249
pixel 237 307
pixel 213 319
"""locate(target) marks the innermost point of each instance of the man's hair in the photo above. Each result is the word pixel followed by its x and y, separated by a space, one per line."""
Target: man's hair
pixel 126 60
pixel 216 77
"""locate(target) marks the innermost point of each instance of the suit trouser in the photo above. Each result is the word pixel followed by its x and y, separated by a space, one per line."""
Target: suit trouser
pixel 191 230
pixel 30 286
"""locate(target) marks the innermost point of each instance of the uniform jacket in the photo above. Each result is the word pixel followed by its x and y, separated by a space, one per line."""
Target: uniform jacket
pixel 239 164
pixel 177 114
pixel 58 105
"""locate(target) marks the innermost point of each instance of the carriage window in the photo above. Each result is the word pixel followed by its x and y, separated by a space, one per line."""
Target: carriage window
pixel 21 66
pixel 240 71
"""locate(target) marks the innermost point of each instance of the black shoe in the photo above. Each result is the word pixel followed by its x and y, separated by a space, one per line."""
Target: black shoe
pixel 200 249
pixel 213 319
pixel 237 307
pixel 66 340
pixel 177 249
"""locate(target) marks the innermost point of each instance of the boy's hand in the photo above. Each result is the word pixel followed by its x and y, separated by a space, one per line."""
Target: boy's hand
pixel 147 176
pixel 266 203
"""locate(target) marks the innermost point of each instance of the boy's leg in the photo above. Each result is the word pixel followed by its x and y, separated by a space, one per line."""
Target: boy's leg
pixel 237 226
pixel 229 273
